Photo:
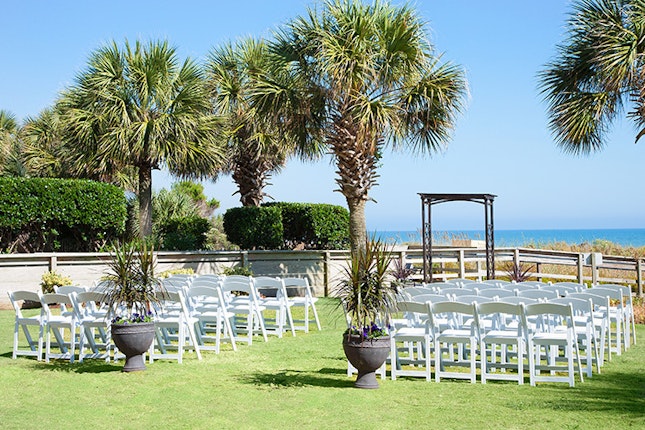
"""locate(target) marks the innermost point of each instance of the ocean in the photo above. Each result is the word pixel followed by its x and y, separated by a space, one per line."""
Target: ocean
pixel 509 238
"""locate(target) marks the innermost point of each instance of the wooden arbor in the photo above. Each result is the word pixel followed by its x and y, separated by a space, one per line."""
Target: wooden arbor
pixel 427 200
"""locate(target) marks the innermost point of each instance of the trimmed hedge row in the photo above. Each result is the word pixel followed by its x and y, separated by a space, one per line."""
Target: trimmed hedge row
pixel 288 225
pixel 68 215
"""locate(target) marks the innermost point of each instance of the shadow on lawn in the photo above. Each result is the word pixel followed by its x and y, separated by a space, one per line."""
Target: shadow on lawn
pixel 299 378
pixel 87 366
pixel 619 393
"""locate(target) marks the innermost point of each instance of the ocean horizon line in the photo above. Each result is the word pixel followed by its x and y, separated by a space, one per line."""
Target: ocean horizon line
pixel 517 237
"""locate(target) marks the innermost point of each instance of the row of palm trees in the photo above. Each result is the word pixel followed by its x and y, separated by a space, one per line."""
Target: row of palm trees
pixel 348 79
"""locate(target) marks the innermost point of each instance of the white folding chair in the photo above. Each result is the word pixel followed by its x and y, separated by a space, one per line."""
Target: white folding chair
pixel 496 293
pixel 505 338
pixel 461 331
pixel 242 300
pixel 307 301
pixel 63 326
pixel 586 333
pixel 209 307
pixel 94 329
pixel 616 313
pixel 600 315
pixel 554 331
pixel 273 297
pixel 629 323
pixel 173 327
pixel 23 322
pixel 411 343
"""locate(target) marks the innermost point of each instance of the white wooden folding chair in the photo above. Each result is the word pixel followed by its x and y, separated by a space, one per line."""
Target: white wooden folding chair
pixel 173 327
pixel 505 338
pixel 411 343
pixel 554 331
pixel 586 334
pixel 242 300
pixel 209 307
pixel 629 324
pixel 94 329
pixel 460 331
pixel 23 322
pixel 616 313
pixel 273 297
pixel 307 301
pixel 63 326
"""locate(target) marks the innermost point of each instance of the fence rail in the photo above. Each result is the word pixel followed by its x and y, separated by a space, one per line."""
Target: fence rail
pixel 24 271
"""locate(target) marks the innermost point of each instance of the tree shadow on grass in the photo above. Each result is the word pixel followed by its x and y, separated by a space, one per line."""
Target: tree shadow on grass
pixel 298 378
pixel 620 393
pixel 87 366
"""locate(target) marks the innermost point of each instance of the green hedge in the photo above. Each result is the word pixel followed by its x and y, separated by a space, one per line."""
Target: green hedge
pixel 314 225
pixel 288 225
pixel 44 214
pixel 251 227
pixel 185 234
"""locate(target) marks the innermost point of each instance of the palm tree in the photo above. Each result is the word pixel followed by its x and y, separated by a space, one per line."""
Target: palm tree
pixel 140 106
pixel 10 143
pixel 368 79
pixel 255 148
pixel 597 71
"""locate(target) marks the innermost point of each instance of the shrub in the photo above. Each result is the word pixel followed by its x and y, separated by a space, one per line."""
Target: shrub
pixel 169 273
pixel 314 226
pixel 184 234
pixel 45 214
pixel 52 279
pixel 238 270
pixel 252 227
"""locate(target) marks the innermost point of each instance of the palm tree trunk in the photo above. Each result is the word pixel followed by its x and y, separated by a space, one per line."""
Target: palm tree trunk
pixel 357 225
pixel 145 201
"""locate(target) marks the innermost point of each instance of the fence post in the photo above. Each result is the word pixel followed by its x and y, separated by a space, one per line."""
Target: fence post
pixel 462 264
pixel 581 265
pixel 53 262
pixel 594 268
pixel 639 276
pixel 326 272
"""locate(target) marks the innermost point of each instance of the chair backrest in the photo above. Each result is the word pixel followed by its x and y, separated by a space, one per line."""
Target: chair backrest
pixel 270 287
pixel 581 307
pixel 473 299
pixel 455 313
pixel 502 315
pixel 550 315
pixel 612 293
pixel 298 286
pixel 460 282
pixel 415 312
pixel 17 299
pixel 520 287
pixel 69 289
pixel 415 291
pixel 499 283
pixel 83 303
pixel 483 286
pixel 423 298
pixel 538 294
pixel 596 299
pixel 517 300
pixel 457 292
pixel 437 286
pixel 205 281
pixel 496 292
pixel 571 287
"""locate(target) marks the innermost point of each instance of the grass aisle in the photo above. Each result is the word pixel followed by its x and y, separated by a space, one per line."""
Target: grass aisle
pixel 301 383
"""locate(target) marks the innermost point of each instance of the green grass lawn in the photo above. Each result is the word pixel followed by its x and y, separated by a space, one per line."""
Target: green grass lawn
pixel 301 383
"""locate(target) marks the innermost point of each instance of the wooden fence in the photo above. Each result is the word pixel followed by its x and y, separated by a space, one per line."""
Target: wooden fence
pixel 24 271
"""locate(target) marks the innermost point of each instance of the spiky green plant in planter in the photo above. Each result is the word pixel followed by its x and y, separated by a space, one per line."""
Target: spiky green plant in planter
pixel 131 288
pixel 369 299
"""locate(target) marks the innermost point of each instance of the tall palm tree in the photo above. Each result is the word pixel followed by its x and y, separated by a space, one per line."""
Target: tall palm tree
pixel 598 70
pixel 48 152
pixel 141 106
pixel 368 79
pixel 255 147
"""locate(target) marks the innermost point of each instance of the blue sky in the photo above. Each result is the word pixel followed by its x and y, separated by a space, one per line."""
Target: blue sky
pixel 501 143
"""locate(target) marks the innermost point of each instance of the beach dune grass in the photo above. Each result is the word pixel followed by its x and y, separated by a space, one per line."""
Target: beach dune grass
pixel 301 382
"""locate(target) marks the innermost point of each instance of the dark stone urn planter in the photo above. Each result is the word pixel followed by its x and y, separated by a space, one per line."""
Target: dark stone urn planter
pixel 133 340
pixel 366 355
